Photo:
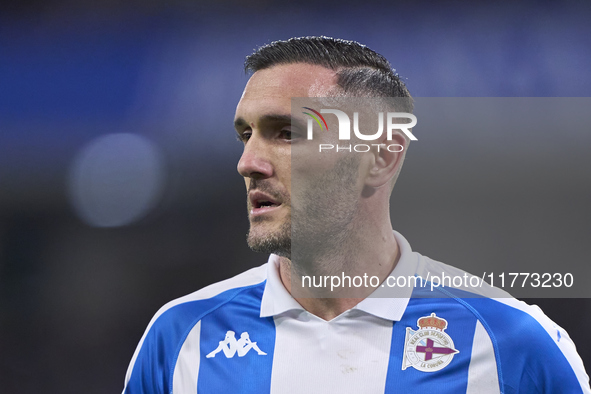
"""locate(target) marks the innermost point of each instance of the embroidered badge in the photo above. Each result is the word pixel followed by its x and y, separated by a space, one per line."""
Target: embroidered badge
pixel 428 349
pixel 230 346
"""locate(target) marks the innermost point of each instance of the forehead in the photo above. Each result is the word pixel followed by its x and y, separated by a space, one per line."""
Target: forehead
pixel 271 89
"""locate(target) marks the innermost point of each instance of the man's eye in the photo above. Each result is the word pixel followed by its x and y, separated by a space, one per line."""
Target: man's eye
pixel 243 137
pixel 289 135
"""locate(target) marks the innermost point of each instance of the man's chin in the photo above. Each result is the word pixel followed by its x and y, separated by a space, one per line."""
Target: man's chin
pixel 277 242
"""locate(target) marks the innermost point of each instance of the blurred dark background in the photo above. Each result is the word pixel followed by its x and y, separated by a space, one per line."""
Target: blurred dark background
pixel 118 188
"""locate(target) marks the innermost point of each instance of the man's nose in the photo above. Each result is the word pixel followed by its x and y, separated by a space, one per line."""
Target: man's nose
pixel 255 161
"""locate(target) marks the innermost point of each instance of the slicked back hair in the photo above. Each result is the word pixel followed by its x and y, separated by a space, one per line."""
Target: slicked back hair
pixel 360 71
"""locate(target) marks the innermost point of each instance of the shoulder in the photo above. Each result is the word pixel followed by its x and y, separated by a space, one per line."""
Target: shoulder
pixel 158 348
pixel 530 348
pixel 193 307
pixel 215 294
pixel 530 351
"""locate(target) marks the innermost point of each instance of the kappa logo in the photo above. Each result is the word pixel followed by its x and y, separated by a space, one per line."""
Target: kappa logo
pixel 230 346
pixel 429 349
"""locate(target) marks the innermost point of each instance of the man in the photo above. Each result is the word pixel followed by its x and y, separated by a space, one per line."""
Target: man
pixel 326 216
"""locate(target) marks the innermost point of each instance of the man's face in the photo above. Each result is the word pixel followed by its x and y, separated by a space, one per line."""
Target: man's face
pixel 263 123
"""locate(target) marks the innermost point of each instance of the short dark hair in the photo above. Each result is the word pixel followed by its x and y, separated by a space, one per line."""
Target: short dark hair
pixel 361 72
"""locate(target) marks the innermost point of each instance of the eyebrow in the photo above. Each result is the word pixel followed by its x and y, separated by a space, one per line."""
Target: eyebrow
pixel 240 123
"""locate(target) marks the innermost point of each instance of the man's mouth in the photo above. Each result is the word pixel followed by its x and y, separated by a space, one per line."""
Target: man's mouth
pixel 262 203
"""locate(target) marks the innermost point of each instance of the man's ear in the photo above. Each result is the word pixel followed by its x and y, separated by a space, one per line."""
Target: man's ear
pixel 387 160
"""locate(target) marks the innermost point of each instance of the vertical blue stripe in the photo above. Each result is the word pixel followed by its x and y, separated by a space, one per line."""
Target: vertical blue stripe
pixel 250 373
pixel 153 368
pixel 529 358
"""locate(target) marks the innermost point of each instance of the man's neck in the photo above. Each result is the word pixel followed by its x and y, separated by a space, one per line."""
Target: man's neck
pixel 373 256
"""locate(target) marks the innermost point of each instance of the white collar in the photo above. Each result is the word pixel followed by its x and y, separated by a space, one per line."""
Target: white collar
pixel 385 302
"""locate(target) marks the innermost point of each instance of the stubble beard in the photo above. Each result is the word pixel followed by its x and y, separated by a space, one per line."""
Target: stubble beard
pixel 261 239
pixel 277 242
pixel 322 224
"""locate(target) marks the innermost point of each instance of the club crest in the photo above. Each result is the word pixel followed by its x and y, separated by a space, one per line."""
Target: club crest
pixel 428 349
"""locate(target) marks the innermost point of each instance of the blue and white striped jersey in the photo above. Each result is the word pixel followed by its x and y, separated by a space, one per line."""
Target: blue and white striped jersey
pixel 248 335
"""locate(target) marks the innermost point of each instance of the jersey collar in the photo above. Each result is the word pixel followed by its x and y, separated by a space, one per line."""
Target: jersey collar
pixel 385 302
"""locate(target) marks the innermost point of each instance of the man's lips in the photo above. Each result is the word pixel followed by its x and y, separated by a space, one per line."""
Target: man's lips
pixel 261 202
